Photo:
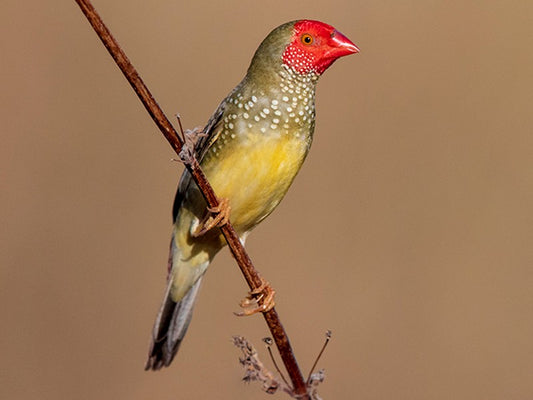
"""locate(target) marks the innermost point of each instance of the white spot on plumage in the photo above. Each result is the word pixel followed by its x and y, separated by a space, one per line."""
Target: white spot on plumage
pixel 286 109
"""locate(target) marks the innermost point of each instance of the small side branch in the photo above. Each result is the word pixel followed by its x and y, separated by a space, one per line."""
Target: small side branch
pixel 243 260
pixel 255 370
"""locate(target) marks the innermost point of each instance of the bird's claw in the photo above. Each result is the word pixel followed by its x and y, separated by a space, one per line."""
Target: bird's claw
pixel 260 299
pixel 191 138
pixel 217 217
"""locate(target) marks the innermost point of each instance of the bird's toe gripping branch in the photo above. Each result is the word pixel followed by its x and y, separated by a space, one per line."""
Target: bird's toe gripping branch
pixel 258 300
pixel 190 140
pixel 216 217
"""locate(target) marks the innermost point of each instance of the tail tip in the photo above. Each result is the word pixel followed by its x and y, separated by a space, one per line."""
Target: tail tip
pixel 158 359
pixel 154 364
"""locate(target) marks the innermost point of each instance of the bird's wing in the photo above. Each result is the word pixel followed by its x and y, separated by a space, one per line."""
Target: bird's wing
pixel 212 131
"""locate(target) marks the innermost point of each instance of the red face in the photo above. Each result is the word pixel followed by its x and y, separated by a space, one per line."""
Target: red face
pixel 315 46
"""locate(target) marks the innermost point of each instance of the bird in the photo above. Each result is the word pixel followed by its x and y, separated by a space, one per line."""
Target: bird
pixel 250 150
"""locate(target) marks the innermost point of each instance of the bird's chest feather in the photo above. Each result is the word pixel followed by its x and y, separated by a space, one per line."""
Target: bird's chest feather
pixel 254 173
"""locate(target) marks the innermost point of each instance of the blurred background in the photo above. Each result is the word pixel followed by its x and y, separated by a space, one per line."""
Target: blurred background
pixel 408 232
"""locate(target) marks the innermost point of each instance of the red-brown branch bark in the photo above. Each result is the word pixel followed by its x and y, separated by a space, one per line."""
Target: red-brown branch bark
pixel 243 260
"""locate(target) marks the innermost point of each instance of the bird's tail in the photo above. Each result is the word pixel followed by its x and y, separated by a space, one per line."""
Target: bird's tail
pixel 170 327
pixel 187 265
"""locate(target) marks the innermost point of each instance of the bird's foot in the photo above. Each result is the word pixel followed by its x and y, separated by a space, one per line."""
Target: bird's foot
pixel 217 217
pixel 191 138
pixel 258 300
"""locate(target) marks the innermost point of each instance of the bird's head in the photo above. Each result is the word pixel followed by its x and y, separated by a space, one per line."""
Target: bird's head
pixel 304 46
pixel 314 46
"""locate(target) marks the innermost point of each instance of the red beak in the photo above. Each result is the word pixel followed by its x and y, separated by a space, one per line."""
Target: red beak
pixel 341 45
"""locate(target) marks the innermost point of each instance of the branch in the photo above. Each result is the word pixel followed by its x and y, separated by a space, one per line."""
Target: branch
pixel 243 260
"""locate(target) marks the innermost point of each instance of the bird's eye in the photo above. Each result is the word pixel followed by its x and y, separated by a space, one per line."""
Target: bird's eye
pixel 307 39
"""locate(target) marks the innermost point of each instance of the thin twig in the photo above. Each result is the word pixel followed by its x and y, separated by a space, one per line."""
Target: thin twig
pixel 254 369
pixel 328 337
pixel 268 342
pixel 243 260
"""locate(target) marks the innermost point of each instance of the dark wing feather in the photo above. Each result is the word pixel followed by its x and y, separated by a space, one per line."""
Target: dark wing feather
pixel 212 131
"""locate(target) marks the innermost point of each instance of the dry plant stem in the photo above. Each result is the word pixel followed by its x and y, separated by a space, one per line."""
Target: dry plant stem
pixel 328 337
pixel 243 260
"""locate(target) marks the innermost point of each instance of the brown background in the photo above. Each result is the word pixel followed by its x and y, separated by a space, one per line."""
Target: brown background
pixel 408 232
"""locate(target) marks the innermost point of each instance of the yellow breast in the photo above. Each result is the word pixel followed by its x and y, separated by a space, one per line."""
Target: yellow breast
pixel 254 174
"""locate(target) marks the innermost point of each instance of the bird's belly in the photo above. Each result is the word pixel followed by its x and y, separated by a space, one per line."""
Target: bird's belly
pixel 255 176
